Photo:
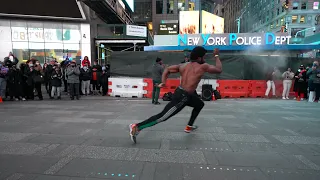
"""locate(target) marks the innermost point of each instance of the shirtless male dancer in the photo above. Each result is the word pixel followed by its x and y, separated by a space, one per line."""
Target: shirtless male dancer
pixel 185 94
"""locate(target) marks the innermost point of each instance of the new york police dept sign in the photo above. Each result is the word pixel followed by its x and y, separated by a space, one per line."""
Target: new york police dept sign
pixel 233 39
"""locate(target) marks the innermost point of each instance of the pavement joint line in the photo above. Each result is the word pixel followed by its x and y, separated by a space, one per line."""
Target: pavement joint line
pixel 15 176
pixel 292 132
pixel 59 165
pixel 307 162
pixel 46 150
pixel 67 151
pixel 251 125
pixel 85 132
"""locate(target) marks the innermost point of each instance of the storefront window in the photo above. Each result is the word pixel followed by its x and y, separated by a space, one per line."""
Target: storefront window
pixel 37 51
pixel 72 51
pixel 54 50
pixel 53 32
pixel 35 32
pixel 5 37
pixel 294 19
pixel 21 50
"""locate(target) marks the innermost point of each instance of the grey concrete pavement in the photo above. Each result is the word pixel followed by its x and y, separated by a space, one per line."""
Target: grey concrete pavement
pixel 241 139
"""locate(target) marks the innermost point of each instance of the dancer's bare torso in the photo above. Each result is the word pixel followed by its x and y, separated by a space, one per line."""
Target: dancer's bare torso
pixel 191 74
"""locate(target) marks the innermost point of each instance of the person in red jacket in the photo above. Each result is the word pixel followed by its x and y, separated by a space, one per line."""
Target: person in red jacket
pixel 85 60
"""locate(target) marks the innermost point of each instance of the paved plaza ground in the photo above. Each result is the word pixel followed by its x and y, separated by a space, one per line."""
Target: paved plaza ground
pixel 241 139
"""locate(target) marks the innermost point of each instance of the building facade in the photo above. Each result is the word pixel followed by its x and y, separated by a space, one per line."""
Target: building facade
pixel 156 12
pixel 272 16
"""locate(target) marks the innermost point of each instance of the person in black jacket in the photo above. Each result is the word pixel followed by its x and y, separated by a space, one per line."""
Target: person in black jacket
pixel 15 79
pixel 48 72
pixel 85 77
pixel 56 82
pixel 300 84
pixel 104 80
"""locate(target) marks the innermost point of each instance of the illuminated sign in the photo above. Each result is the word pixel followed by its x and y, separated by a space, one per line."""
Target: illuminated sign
pixel 232 39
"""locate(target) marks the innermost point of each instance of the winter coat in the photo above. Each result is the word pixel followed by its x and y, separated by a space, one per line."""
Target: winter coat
pixel 73 74
pixel 85 75
pixel 104 77
pixel 56 78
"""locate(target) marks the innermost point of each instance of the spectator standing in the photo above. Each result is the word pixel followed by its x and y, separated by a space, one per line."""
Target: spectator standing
pixel 157 71
pixel 104 80
pixel 86 61
pixel 85 77
pixel 73 73
pixel 3 80
pixel 300 83
pixel 314 82
pixel 96 72
pixel 287 83
pixel 56 82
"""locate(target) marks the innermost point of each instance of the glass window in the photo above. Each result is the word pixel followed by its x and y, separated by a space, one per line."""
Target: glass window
pixel 35 32
pixel 37 51
pixel 295 5
pixel 282 21
pixel 19 31
pixel 278 11
pixel 71 33
pixel 170 4
pixel 316 5
pixel 73 51
pixel 5 38
pixel 159 6
pixel 302 19
pixel 54 50
pixel 21 50
pixel 294 19
pixel 53 32
pixel 304 5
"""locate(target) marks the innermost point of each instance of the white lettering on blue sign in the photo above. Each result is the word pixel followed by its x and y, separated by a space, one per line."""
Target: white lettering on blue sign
pixel 234 39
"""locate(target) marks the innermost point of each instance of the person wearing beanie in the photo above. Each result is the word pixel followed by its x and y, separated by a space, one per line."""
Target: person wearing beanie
pixel 185 95
pixel 157 71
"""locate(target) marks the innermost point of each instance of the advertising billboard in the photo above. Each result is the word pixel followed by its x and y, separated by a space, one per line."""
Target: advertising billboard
pixel 189 22
pixel 168 29
pixel 211 24
pixel 138 31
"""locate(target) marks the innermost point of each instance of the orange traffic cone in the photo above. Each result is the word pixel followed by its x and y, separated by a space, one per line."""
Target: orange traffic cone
pixel 1 101
pixel 213 97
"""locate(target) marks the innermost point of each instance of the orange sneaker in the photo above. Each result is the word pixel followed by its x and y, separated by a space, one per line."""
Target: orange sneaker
pixel 189 129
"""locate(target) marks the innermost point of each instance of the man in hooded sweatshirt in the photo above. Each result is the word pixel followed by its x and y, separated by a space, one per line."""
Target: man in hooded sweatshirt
pixel 157 71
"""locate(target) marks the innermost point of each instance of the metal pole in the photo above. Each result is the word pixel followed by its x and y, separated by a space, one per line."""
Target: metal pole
pixel 239 21
pixel 134 46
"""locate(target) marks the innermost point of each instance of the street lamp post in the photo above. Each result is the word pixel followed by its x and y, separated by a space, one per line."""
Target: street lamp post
pixel 239 20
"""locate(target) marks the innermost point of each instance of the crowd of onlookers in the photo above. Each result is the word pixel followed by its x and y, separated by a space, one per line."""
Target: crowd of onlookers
pixel 306 82
pixel 24 81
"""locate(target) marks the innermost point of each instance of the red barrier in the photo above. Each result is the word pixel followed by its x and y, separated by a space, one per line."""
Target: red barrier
pixel 234 88
pixel 257 88
pixel 171 85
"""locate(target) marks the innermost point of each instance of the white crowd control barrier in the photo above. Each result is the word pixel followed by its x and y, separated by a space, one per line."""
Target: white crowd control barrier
pixel 126 87
pixel 213 82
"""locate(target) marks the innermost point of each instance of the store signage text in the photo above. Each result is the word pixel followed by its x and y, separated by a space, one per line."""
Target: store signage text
pixel 40 34
pixel 232 39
